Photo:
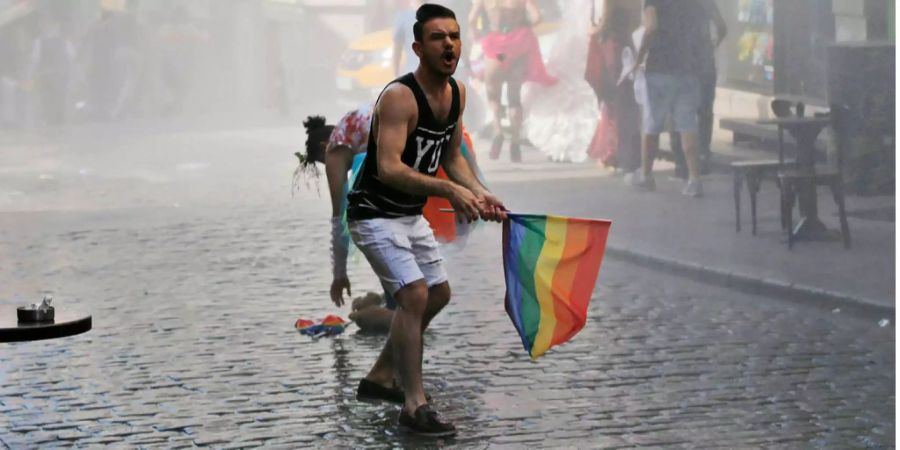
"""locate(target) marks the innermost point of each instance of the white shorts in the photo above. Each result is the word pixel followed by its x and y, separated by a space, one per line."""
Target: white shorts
pixel 400 251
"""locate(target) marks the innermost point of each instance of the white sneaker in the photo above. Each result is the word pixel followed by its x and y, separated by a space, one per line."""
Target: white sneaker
pixel 693 188
pixel 637 181
pixel 629 178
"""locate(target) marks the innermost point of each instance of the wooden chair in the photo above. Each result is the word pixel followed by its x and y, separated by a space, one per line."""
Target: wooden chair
pixel 754 172
pixel 830 176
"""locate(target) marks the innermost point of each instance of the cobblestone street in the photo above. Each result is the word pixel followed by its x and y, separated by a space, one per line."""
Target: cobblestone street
pixel 195 261
pixel 193 346
pixel 173 174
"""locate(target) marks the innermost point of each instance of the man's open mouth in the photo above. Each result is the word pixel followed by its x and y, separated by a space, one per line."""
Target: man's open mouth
pixel 448 57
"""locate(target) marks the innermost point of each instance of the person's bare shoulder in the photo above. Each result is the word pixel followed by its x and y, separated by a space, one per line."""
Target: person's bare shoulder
pixel 462 95
pixel 396 101
pixel 396 105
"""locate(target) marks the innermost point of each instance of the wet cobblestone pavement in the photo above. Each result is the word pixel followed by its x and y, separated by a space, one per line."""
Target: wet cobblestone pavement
pixel 193 345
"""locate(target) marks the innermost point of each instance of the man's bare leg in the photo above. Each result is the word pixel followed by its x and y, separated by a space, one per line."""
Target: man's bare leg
pixel 691 156
pixel 493 82
pixel 410 370
pixel 416 306
pixel 382 371
pixel 515 80
pixel 649 148
pixel 404 345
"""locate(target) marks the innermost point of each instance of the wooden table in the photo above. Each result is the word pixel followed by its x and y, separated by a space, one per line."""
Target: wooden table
pixel 68 322
pixel 805 131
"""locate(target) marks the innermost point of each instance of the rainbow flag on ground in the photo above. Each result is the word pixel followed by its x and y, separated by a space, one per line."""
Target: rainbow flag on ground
pixel 329 326
pixel 550 264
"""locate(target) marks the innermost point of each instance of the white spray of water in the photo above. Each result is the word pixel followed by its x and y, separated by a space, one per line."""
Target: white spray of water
pixel 561 119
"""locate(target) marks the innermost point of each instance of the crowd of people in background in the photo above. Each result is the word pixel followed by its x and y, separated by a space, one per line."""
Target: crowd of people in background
pixel 652 67
pixel 650 63
pixel 118 67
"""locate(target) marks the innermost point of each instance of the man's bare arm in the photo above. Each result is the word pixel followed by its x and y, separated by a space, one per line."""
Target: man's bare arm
pixel 394 113
pixel 337 162
pixel 457 167
pixel 458 170
pixel 718 21
pixel 651 23
pixel 454 163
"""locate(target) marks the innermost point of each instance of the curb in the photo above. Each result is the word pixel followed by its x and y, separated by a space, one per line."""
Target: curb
pixel 793 293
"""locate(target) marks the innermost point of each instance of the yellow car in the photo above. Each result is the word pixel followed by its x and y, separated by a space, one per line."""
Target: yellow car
pixel 365 68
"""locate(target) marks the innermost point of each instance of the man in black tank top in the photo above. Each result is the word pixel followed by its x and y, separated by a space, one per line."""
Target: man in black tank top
pixel 416 128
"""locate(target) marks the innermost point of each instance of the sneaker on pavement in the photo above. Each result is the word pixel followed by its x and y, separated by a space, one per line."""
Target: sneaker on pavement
pixel 515 153
pixel 693 188
pixel 426 422
pixel 638 181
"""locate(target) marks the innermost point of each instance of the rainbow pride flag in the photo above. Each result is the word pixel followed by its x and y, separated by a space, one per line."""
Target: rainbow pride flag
pixel 329 326
pixel 550 264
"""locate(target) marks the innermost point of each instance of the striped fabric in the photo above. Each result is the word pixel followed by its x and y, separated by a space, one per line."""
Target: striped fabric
pixel 550 264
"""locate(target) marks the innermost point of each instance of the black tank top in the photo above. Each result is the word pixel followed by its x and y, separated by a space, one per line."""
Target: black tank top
pixel 369 198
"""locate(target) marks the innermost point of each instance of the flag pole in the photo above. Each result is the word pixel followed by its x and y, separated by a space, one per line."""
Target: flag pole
pixel 452 211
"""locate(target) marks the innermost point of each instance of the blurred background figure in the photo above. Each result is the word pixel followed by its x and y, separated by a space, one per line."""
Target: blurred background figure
pixel 129 61
pixel 15 50
pixel 104 71
pixel 52 56
pixel 378 14
pixel 403 59
pixel 707 76
pixel 512 57
pixel 560 119
pixel 616 141
pixel 673 30
pixel 179 38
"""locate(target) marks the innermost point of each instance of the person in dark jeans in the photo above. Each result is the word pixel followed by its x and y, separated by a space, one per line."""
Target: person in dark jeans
pixel 707 78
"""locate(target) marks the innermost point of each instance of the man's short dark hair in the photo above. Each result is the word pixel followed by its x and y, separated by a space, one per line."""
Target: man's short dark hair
pixel 428 12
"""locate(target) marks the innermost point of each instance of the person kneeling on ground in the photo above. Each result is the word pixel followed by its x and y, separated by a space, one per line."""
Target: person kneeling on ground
pixel 338 146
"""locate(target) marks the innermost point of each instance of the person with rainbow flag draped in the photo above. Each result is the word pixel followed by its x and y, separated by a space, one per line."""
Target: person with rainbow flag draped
pixel 342 148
